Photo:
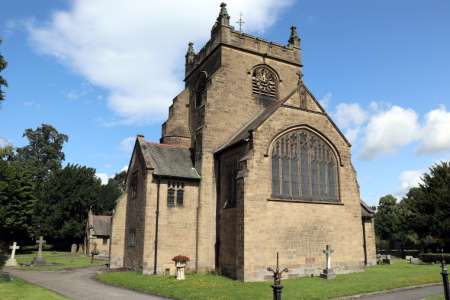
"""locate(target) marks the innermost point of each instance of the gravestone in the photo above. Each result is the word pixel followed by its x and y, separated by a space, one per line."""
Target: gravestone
pixel 11 262
pixel 415 261
pixel 328 272
pixel 39 260
pixel 73 249
pixel 408 258
pixel 80 249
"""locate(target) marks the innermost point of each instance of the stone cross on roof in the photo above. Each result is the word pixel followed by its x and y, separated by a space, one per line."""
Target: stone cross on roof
pixel 240 22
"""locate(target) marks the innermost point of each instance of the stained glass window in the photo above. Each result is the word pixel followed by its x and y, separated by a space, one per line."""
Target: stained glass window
pixel 304 167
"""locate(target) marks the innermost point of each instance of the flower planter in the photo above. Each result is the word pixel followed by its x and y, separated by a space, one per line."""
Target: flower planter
pixel 180 269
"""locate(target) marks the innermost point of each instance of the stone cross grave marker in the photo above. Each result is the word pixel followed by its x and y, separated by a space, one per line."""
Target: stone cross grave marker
pixel 40 242
pixel 328 272
pixel 11 262
pixel 39 260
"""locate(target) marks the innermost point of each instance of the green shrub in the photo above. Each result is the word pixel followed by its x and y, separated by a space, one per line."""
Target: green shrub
pixel 3 254
pixel 434 257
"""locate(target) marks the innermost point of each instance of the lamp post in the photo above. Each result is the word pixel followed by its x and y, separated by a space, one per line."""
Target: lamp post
pixel 276 286
pixel 444 273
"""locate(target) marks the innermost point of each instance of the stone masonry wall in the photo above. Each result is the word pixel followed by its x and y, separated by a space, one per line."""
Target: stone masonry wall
pixel 230 105
pixel 228 218
pixel 299 231
pixel 176 129
pixel 135 215
pixel 118 233
pixel 370 242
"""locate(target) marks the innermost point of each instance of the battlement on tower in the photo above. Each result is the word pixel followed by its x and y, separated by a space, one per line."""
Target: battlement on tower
pixel 222 34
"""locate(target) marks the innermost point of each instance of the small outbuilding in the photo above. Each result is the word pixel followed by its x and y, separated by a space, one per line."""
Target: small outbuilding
pixel 98 234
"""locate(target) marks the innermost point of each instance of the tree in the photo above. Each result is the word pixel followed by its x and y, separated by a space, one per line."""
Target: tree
pixel 43 154
pixel 70 193
pixel 17 200
pixel 120 178
pixel 3 82
pixel 109 193
pixel 387 220
pixel 429 207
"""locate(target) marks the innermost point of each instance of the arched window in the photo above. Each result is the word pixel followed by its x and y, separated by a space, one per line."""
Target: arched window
pixel 265 82
pixel 200 92
pixel 304 167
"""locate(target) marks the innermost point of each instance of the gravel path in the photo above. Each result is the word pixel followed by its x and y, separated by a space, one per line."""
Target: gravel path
pixel 78 284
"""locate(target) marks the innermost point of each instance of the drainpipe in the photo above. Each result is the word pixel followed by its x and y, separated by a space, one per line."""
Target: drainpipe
pixel 197 225
pixel 155 258
pixel 364 242
pixel 110 236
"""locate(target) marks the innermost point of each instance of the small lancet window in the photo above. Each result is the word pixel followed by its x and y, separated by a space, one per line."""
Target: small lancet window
pixel 131 237
pixel 304 167
pixel 265 82
pixel 175 194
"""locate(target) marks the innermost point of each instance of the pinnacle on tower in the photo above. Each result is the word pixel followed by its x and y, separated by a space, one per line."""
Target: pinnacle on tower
pixel 190 54
pixel 224 17
pixel 294 40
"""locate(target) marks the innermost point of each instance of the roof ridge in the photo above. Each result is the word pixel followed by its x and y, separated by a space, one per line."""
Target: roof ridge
pixel 166 145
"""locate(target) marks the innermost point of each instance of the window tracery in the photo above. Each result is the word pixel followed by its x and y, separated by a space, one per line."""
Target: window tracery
pixel 304 167
pixel 264 82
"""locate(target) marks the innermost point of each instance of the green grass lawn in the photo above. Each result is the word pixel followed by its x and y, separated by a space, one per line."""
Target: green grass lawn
pixel 64 259
pixel 205 286
pixel 17 289
pixel 440 297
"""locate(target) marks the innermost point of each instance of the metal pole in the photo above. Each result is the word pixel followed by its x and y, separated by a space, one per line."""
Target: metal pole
pixel 444 274
pixel 277 291
pixel 445 282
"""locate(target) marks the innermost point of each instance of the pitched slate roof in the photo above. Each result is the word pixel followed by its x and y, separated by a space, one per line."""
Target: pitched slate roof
pixel 366 210
pixel 242 134
pixel 101 225
pixel 168 160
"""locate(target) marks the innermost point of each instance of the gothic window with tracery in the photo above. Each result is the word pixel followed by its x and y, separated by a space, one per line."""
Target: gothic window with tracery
pixel 304 167
pixel 265 82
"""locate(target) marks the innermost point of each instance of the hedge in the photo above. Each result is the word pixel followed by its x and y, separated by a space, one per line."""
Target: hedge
pixel 434 257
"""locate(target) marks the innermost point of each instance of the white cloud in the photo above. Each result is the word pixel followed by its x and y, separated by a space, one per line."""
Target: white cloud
pixel 103 177
pixel 4 142
pixel 410 179
pixel 349 114
pixel 125 168
pixel 352 134
pixel 127 144
pixel 389 130
pixel 135 49
pixel 325 100
pixel 436 131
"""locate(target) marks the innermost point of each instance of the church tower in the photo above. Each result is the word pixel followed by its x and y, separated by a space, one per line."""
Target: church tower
pixel 249 164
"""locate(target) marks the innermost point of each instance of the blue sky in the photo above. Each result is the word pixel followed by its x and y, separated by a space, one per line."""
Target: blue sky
pixel 103 73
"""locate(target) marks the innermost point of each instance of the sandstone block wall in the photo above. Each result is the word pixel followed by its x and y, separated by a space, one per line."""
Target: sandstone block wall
pixel 299 231
pixel 135 214
pixel 118 233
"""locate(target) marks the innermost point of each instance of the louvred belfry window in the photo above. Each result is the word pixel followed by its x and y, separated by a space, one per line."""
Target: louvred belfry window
pixel 264 82
pixel 304 167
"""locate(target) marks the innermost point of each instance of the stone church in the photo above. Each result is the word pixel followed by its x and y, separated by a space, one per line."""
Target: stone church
pixel 249 164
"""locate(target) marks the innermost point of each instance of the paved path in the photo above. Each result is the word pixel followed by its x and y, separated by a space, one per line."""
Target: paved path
pixel 78 284
pixel 406 294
